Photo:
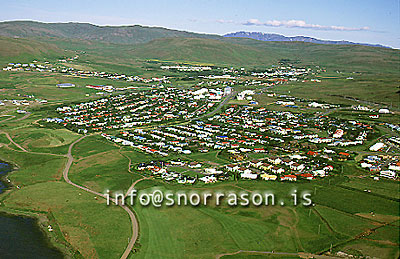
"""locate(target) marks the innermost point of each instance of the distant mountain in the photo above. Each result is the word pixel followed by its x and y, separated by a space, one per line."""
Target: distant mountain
pixel 84 31
pixel 277 37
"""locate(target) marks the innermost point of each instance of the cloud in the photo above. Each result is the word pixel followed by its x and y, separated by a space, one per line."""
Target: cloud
pixel 225 21
pixel 301 24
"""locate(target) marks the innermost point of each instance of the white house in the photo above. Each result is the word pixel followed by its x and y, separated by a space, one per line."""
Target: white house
pixel 248 175
pixel 388 174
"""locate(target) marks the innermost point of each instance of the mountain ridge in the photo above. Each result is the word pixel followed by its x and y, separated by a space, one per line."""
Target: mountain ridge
pixel 134 34
pixel 279 37
pixel 126 34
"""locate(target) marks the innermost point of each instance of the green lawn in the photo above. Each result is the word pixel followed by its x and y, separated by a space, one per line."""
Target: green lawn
pixel 222 229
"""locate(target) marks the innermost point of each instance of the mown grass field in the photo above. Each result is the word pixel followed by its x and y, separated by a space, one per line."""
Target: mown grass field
pixel 208 158
pixel 273 228
pixel 44 86
pixel 214 230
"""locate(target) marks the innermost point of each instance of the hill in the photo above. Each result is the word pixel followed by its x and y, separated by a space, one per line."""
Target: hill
pixel 278 37
pixel 244 52
pixel 85 31
pixel 24 50
pixel 139 42
pixel 223 51
pixel 202 50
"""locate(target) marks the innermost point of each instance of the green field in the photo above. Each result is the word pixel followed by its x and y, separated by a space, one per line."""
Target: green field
pixel 216 230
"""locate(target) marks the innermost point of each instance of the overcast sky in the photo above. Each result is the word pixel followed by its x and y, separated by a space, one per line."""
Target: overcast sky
pixel 369 21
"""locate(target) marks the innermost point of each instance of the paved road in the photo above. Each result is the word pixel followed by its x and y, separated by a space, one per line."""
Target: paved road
pixel 135 225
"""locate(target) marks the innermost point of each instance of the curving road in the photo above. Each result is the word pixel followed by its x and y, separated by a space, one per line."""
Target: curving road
pixel 135 225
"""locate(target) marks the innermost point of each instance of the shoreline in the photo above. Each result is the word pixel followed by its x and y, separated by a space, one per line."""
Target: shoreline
pixel 3 177
pixel 41 219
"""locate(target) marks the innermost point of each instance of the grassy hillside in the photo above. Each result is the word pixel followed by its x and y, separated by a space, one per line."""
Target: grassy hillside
pixel 232 51
pixel 85 31
pixel 341 57
pixel 21 50
pixel 244 52
pixel 202 50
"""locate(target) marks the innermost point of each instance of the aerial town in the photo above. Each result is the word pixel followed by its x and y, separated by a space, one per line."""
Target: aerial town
pixel 221 129
pixel 251 142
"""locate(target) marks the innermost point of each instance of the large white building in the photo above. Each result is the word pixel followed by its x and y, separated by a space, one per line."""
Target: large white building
pixel 377 146
pixel 227 90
